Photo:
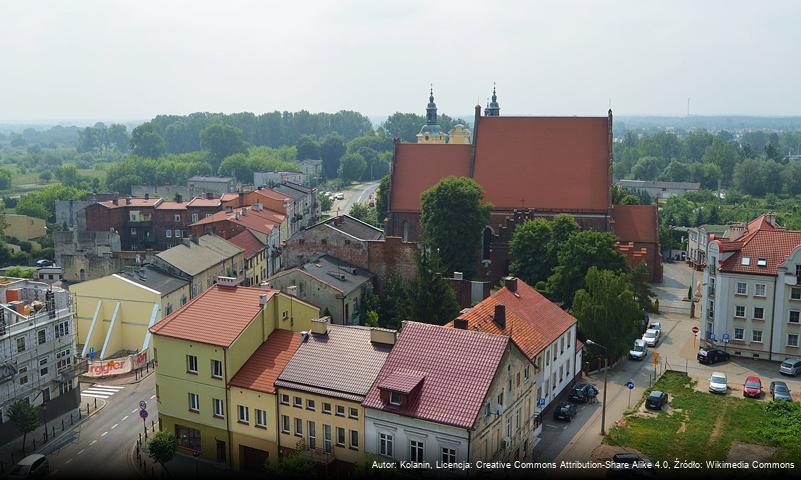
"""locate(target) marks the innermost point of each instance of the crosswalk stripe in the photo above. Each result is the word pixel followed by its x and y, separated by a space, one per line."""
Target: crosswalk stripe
pixel 113 387
pixel 101 390
pixel 83 394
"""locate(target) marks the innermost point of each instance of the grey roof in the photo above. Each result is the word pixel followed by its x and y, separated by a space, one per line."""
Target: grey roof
pixel 655 184
pixel 201 178
pixel 193 258
pixel 152 278
pixel 341 363
pixel 715 228
pixel 355 227
pixel 337 273
pixel 290 192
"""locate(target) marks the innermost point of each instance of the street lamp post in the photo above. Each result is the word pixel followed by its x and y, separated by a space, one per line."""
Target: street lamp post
pixel 606 370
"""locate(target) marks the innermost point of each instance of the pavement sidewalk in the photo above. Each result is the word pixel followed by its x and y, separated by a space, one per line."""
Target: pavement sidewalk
pixel 181 466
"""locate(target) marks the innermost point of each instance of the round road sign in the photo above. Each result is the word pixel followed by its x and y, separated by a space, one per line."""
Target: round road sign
pixel 695 329
pixel 630 384
pixel 142 405
pixel 143 413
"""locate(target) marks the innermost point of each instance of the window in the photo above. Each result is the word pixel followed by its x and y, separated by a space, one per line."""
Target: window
pixel 792 340
pixel 448 455
pixel 133 231
pixel 194 217
pixel 554 353
pixel 194 403
pixel 742 288
pixel 191 364
pixel 794 316
pixel 177 218
pixel 312 427
pixel 487 409
pixel 178 233
pixel 354 439
pixel 385 441
pixel 61 329
pixel 553 381
pixel 219 410
pixel 547 357
pixel 517 420
pixel 340 437
pixel 326 408
pixel 168 233
pixel 509 426
pixel 261 418
pixel 20 344
pixel 526 374
pixel 298 427
pixel 759 313
pixel 759 290
pixel 500 399
pixel 739 311
pixel 738 333
pixel 340 411
pixel 745 261
pixel 353 413
pixel 762 262
pixel 310 405
pixel 284 424
pixel 416 449
pixel 561 372
pixel 795 294
pixel 216 369
pixel 187 437
pixel 327 438
pixel 284 399
pixel 23 379
pixel 756 336
pixel 43 372
pixel 297 402
pixel 41 337
pixel 244 414
pixel 394 398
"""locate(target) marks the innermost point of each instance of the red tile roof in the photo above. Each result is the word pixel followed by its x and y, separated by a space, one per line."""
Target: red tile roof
pixel 135 202
pixel 229 196
pixel 418 167
pixel 401 380
pixel 533 321
pixel 262 221
pixel 269 193
pixel 636 223
pixel 209 317
pixel 762 241
pixel 458 367
pixel 205 202
pixel 247 242
pixel 171 206
pixel 266 364
pixel 544 162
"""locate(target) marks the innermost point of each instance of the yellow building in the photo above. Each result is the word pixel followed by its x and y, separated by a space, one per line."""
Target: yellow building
pixel 255 256
pixel 321 389
pixel 198 350
pixel 459 134
pixel 203 259
pixel 114 312
pixel 23 227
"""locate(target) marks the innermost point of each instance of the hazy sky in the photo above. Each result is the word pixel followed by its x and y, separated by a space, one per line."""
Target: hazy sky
pixel 106 59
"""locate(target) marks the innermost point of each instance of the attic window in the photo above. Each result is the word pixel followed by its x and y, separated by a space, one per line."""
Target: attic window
pixel 762 262
pixel 394 397
pixel 745 261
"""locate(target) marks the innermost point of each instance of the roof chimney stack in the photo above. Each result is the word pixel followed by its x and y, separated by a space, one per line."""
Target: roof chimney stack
pixel 383 336
pixel 510 283
pixel 147 196
pixel 320 325
pixel 460 323
pixel 500 316
pixel 127 199
pixel 209 196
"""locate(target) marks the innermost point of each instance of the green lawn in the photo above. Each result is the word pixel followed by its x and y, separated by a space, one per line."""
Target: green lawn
pixel 702 426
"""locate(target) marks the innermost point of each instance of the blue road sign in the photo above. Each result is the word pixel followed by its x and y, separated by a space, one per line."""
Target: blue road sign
pixel 712 336
pixel 725 337
pixel 91 353
pixel 630 384
pixel 540 402
pixel 143 414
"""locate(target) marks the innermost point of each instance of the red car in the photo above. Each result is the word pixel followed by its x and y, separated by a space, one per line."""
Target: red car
pixel 752 387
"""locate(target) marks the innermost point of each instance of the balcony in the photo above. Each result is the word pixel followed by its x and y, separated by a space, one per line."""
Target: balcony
pixel 316 455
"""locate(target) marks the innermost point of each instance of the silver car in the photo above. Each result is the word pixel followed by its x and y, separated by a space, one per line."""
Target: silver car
pixel 718 383
pixel 651 336
pixel 791 366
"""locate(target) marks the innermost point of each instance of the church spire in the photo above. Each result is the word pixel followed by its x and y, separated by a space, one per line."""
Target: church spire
pixel 431 109
pixel 431 131
pixel 493 109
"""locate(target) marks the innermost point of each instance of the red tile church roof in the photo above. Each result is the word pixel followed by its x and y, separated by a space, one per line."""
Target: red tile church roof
pixel 418 167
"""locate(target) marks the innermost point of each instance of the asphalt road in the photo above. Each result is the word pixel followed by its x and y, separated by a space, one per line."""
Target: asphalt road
pixel 359 193
pixel 100 446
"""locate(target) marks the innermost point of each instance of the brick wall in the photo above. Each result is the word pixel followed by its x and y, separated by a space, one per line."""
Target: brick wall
pixel 306 245
pixel 391 256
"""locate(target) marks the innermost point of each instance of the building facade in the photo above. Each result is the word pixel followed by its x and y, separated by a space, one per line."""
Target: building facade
pixel 698 240
pixel 201 260
pixel 200 186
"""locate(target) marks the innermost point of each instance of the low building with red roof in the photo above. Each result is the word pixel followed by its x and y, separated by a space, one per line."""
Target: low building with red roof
pixel 452 395
pixel 206 347
pixel 256 256
pixel 751 291
pixel 541 329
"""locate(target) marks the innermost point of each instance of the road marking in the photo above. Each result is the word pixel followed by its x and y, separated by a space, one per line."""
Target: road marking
pixel 124 418
pixel 92 442
pixel 115 426
pixel 81 451
pixel 133 411
pixel 68 461
pixel 152 397
pixel 101 391
pixel 103 434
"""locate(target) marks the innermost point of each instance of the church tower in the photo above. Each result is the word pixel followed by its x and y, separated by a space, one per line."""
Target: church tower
pixel 493 109
pixel 431 131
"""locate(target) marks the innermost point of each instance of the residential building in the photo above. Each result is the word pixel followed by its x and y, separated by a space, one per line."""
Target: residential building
pixel 697 241
pixel 751 297
pixel 201 260
pixel 452 395
pixel 37 350
pixel 200 348
pixel 50 275
pixel 355 242
pixel 131 218
pixel 172 219
pixel 321 390
pixel 23 227
pixel 85 255
pixel 200 186
pixel 313 169
pixel 544 332
pixel 113 313
pixel 269 179
pixel 304 200
pixel 333 285
pixel 256 264
pixel 252 395
pixel 660 190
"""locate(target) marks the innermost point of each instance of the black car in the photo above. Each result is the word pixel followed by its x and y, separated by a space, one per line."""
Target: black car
pixel 44 263
pixel 565 411
pixel 780 391
pixel 631 465
pixel 579 392
pixel 656 400
pixel 712 355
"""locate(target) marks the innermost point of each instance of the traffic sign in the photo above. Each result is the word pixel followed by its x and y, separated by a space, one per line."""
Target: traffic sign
pixel 712 337
pixel 630 384
pixel 91 353
pixel 695 329
pixel 540 402
pixel 142 405
pixel 656 358
pixel 725 337
pixel 143 414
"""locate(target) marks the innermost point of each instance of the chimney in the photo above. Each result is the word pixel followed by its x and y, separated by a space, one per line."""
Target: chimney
pixel 227 281
pixel 304 335
pixel 238 216
pixel 292 290
pixel 116 199
pixel 147 196
pixel 241 199
pixel 209 196
pixel 263 299
pixel 244 211
pixel 500 316
pixel 382 336
pixel 179 198
pixel 460 323
pixel 771 218
pixel 229 209
pixel 510 283
pixel 320 325
pixel 458 276
pixel 127 199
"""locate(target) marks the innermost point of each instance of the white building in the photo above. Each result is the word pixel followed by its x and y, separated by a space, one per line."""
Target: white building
pixel 698 240
pixel 269 179
pixel 751 300
pixel 37 346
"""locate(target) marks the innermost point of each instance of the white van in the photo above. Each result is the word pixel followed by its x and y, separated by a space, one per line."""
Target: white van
pixel 639 350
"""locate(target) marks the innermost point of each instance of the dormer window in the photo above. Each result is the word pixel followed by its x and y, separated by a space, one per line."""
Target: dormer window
pixel 762 262
pixel 394 397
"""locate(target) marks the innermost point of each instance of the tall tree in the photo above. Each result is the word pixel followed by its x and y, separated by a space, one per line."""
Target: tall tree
pixel 352 167
pixel 308 148
pixel 162 447
pixel 529 250
pixel 382 199
pixel 563 226
pixel 146 142
pixel 452 218
pixel 331 150
pixel 431 297
pixel 221 141
pixel 237 166
pixel 25 417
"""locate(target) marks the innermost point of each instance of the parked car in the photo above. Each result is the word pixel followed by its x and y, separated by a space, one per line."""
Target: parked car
pixel 656 326
pixel 780 391
pixel 712 355
pixel 43 262
pixel 639 350
pixel 631 465
pixel 718 383
pixel 656 400
pixel 791 366
pixel 565 411
pixel 340 196
pixel 651 337
pixel 752 387
pixel 32 466
pixel 579 392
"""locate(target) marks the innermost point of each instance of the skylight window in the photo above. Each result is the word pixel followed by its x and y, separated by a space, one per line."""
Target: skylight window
pixel 745 261
pixel 762 262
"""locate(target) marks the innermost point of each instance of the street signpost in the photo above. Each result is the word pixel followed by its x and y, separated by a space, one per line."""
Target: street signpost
pixel 143 414
pixel 142 405
pixel 541 402
pixel 91 353
pixel 630 386
pixel 695 329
